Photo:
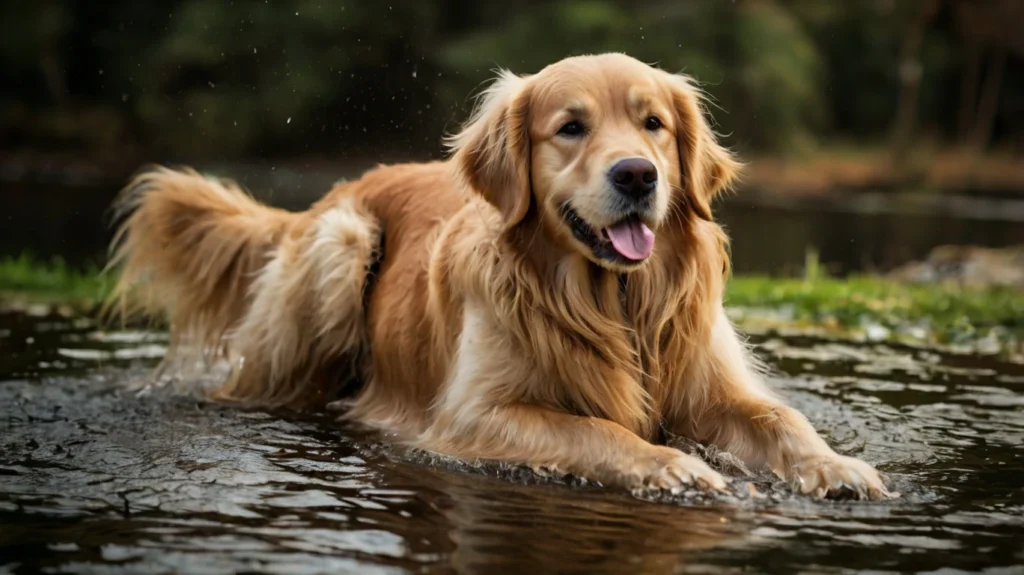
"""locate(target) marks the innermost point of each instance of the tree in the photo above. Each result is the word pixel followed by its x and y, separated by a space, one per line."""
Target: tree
pixel 921 15
pixel 992 28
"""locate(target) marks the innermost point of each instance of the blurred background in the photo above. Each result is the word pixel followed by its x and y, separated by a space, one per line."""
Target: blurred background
pixel 875 130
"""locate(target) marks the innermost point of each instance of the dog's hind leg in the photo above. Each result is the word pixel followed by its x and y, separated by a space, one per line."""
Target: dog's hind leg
pixel 305 330
pixel 277 293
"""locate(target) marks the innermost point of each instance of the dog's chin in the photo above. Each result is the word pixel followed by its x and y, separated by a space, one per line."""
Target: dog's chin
pixel 617 254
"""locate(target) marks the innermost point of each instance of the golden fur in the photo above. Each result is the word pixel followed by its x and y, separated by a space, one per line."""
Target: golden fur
pixel 491 331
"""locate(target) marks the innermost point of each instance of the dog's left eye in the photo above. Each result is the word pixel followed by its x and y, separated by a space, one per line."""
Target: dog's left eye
pixel 653 123
pixel 572 129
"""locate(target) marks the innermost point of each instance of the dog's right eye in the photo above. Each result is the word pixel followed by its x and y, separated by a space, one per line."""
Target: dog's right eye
pixel 571 129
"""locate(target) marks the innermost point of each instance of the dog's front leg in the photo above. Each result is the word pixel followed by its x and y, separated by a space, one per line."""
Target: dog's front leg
pixel 485 413
pixel 725 403
pixel 548 440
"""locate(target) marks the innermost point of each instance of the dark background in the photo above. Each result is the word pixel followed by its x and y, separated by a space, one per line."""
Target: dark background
pixel 868 96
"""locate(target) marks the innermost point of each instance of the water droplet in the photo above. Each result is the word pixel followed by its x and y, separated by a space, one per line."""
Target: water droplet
pixel 254 50
pixel 124 97
pixel 212 85
pixel 289 120
pixel 101 71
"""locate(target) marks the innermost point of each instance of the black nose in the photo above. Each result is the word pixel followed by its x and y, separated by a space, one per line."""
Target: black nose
pixel 634 177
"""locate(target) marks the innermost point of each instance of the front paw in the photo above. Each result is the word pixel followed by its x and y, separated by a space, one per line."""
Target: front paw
pixel 669 469
pixel 836 476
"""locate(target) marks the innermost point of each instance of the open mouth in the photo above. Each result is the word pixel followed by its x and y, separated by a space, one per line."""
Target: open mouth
pixel 627 241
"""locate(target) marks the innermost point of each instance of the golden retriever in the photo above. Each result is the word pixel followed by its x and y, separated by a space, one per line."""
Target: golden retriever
pixel 550 296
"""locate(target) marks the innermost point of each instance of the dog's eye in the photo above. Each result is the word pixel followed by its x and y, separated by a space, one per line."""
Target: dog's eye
pixel 653 123
pixel 572 129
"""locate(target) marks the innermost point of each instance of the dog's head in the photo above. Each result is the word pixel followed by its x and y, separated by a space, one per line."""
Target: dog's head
pixel 599 149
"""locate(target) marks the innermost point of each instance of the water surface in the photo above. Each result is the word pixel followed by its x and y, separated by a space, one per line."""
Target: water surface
pixel 103 472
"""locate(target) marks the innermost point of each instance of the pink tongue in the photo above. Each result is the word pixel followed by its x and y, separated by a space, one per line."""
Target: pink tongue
pixel 632 239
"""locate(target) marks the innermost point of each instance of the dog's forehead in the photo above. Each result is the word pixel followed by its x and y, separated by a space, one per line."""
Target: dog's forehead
pixel 597 81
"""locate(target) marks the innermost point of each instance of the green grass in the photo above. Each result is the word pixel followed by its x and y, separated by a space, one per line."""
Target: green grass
pixel 939 314
pixel 945 314
pixel 55 281
pixel 881 309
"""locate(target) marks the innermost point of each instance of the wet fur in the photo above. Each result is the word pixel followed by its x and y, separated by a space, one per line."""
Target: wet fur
pixel 488 334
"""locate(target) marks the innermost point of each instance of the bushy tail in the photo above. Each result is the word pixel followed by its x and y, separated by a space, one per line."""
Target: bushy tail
pixel 243 281
pixel 188 248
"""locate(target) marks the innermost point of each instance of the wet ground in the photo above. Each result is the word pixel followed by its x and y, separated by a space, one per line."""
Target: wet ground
pixel 103 472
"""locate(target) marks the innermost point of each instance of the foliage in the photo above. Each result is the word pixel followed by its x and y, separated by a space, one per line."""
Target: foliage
pixel 755 60
pixel 226 79
pixel 192 80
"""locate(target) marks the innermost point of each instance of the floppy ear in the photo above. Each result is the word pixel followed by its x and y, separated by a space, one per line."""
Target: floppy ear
pixel 708 168
pixel 492 152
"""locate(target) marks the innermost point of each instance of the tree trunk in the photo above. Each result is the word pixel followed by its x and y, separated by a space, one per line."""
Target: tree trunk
pixel 53 75
pixel 969 92
pixel 910 73
pixel 989 104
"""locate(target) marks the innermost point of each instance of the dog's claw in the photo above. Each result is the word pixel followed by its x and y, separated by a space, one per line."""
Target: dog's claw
pixel 833 476
pixel 671 470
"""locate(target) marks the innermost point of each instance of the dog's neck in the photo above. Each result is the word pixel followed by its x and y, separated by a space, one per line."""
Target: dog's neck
pixel 555 264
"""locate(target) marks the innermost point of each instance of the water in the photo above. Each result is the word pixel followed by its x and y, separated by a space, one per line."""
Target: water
pixel 853 232
pixel 102 472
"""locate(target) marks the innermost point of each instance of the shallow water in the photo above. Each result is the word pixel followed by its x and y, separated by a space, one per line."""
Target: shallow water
pixel 101 472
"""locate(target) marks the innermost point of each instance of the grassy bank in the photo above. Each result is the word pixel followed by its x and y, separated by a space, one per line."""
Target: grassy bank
pixel 872 308
pixel 26 278
pixel 869 308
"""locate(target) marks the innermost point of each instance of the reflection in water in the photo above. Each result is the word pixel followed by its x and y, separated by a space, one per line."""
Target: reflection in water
pixel 512 528
pixel 101 473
